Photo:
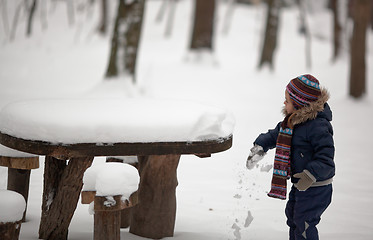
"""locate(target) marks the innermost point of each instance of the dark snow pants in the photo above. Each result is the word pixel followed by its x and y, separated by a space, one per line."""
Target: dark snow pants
pixel 304 209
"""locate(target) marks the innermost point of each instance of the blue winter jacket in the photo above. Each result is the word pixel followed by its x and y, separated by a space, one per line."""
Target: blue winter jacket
pixel 312 146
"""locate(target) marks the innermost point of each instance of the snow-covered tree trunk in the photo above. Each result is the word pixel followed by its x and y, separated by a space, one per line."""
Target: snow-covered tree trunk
pixel 361 18
pixel 270 36
pixel 203 27
pixel 125 39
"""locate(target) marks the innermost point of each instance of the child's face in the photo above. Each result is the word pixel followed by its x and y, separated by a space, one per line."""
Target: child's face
pixel 288 104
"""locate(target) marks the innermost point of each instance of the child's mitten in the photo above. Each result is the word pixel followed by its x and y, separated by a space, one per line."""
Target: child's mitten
pixel 305 180
pixel 256 154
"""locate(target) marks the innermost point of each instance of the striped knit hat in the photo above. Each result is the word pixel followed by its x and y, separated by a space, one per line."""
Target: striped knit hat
pixel 303 90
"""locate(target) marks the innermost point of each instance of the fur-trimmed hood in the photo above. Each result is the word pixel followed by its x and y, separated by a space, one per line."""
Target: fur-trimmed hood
pixel 310 112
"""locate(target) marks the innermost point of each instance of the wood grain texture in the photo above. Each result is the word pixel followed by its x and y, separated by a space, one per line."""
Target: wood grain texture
pixel 25 163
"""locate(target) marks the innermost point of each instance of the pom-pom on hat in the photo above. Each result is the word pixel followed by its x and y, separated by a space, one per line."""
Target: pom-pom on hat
pixel 303 90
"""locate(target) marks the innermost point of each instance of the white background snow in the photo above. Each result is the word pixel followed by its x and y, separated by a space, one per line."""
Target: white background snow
pixel 217 197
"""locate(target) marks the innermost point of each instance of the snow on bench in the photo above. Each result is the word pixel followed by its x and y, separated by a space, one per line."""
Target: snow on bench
pixel 131 120
pixel 12 207
pixel 109 188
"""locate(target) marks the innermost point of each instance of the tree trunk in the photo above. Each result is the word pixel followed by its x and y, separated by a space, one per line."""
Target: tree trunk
pixel 170 18
pixel 125 39
pixel 70 11
pixel 104 17
pixel 337 29
pixel 371 16
pixel 203 27
pixel 62 186
pixel 361 18
pixel 154 216
pixel 4 16
pixel 30 17
pixel 305 30
pixel 270 36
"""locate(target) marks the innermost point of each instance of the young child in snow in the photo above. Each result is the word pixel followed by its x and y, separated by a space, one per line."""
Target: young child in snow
pixel 304 152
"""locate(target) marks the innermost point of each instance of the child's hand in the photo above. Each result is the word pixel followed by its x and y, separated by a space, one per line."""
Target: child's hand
pixel 305 181
pixel 256 154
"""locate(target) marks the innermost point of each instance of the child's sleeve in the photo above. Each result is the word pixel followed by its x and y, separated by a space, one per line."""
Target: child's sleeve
pixel 268 140
pixel 322 166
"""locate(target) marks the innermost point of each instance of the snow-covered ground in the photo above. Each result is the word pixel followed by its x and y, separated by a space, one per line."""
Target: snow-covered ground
pixel 218 198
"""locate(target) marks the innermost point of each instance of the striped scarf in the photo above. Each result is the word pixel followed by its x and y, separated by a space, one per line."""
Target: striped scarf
pixel 281 167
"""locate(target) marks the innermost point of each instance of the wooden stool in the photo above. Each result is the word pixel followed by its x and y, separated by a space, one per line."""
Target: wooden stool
pixel 107 208
pixel 19 169
pixel 12 207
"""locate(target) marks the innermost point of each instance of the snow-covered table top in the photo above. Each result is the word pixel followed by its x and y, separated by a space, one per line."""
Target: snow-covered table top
pixel 103 123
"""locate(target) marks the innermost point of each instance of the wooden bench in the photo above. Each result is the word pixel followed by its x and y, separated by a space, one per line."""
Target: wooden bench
pixel 107 209
pixel 12 207
pixel 19 169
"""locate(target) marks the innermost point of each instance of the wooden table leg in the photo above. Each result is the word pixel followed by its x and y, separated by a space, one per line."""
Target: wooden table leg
pixel 62 185
pixel 154 216
pixel 107 225
pixel 18 181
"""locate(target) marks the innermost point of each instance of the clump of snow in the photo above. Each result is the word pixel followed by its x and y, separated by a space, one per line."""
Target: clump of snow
pixel 238 196
pixel 110 179
pixel 266 167
pixel 12 206
pixel 237 230
pixel 110 201
pixel 249 219
pixel 115 120
pixel 253 161
pixel 9 152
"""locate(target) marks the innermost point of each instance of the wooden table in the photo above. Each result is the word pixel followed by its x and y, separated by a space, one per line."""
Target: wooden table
pixel 65 163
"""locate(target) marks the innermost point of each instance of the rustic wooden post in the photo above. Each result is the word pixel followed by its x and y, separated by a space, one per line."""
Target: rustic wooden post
pixel 154 216
pixel 107 213
pixel 10 230
pixel 18 181
pixel 110 225
pixel 107 216
pixel 61 182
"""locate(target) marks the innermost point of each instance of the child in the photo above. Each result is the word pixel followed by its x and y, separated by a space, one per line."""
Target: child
pixel 304 152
